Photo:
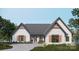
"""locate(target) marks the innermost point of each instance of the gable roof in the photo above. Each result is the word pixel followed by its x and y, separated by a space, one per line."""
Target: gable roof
pixel 41 29
pixel 64 24
pixel 58 25
pixel 19 27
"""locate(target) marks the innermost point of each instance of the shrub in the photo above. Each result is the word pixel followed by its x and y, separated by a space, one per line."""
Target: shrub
pixel 5 46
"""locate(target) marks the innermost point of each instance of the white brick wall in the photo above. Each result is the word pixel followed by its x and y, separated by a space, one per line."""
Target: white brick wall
pixel 21 32
pixel 59 32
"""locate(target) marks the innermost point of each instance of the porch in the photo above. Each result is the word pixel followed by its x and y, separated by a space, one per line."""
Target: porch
pixel 37 38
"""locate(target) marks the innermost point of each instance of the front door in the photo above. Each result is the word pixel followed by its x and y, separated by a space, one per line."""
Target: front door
pixel 33 39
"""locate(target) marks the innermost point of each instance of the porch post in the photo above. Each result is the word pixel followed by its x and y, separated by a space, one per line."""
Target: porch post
pixel 44 38
pixel 37 39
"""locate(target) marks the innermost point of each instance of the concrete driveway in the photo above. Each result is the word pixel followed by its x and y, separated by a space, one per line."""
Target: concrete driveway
pixel 22 47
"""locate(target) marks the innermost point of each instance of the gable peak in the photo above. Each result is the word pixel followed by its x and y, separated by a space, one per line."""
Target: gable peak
pixel 21 24
pixel 58 18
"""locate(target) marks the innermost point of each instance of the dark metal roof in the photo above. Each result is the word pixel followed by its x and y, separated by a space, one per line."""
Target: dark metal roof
pixel 37 29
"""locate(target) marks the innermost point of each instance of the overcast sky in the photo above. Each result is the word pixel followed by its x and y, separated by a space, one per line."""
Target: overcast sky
pixel 35 15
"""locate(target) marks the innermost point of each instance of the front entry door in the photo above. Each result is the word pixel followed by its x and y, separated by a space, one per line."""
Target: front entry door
pixel 35 39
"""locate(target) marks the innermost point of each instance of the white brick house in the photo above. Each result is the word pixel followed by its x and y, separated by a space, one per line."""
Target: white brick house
pixel 55 33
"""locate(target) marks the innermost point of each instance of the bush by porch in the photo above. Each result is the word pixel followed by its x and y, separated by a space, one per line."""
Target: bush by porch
pixel 61 47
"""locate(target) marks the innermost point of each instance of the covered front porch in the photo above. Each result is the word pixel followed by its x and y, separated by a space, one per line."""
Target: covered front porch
pixel 37 38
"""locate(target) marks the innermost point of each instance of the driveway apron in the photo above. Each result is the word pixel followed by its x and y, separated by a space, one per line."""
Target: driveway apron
pixel 22 47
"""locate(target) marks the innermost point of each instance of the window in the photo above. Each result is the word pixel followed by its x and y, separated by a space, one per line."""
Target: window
pixel 55 38
pixel 21 38
pixel 67 38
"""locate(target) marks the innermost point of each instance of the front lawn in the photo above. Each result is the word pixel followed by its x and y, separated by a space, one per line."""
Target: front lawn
pixel 62 47
pixel 5 46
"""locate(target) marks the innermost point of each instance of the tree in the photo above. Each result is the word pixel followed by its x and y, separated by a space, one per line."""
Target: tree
pixel 74 23
pixel 75 12
pixel 6 29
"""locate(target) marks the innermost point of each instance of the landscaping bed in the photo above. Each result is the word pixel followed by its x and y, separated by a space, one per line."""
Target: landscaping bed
pixel 5 46
pixel 62 47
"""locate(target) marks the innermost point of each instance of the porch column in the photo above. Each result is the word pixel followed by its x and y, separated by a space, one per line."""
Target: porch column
pixel 43 38
pixel 37 39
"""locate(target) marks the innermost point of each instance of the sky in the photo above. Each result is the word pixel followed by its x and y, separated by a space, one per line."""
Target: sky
pixel 36 15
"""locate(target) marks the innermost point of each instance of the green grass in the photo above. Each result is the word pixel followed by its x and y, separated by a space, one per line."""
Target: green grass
pixel 5 46
pixel 62 47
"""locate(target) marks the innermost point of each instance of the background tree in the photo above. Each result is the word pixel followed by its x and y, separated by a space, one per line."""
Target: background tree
pixel 6 29
pixel 74 23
